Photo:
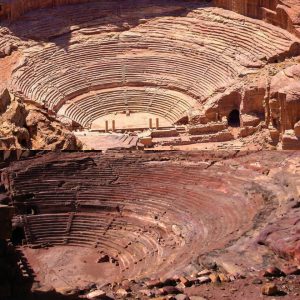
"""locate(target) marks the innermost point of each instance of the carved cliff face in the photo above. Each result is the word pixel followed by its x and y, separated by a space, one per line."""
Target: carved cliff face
pixel 284 14
pixel 285 97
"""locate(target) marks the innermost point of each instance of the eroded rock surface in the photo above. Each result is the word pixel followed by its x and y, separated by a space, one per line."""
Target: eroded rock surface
pixel 284 105
pixel 228 216
pixel 27 126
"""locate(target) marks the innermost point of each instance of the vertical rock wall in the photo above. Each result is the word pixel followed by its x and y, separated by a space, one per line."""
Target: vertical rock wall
pixel 282 13
pixel 284 106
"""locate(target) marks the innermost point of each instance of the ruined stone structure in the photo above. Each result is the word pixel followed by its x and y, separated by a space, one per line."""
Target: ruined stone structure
pixel 145 82
pixel 117 216
pixel 171 72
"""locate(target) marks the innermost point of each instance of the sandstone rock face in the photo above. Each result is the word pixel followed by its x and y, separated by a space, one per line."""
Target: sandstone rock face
pixel 281 13
pixel 285 97
pixel 269 289
pixel 274 236
pixel 25 126
pixel 285 105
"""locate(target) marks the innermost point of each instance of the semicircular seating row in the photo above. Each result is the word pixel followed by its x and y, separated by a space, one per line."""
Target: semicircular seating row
pixel 130 242
pixel 68 75
pixel 196 55
pixel 170 105
pixel 121 206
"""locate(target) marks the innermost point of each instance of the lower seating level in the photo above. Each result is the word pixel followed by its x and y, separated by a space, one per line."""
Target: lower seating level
pixel 127 206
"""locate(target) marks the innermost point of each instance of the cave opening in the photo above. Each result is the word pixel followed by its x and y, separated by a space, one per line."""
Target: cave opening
pixel 234 118
pixel 17 236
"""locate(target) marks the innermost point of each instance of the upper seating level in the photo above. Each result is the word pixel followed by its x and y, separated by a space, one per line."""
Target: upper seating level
pixel 199 53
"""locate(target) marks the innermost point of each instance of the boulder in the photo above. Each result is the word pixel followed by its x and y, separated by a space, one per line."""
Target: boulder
pixel 291 270
pixel 25 125
pixel 181 286
pixel 214 278
pixel 122 293
pixel 204 272
pixel 184 280
pixel 250 120
pixel 204 279
pixel 65 291
pixel 290 141
pixel 273 272
pixel 153 283
pixel 223 277
pixel 269 289
pixel 7 50
pixel 97 294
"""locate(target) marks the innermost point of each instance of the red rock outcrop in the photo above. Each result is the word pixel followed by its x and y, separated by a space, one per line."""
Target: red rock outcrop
pixel 283 13
pixel 285 105
pixel 27 126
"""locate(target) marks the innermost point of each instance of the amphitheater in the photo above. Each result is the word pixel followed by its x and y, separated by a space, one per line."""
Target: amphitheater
pixel 134 86
pixel 90 220
pixel 155 73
